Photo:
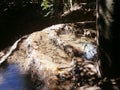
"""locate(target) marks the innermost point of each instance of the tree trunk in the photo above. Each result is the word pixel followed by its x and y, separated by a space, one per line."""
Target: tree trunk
pixel 108 25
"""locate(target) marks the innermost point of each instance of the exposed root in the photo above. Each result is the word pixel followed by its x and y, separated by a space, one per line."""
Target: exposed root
pixel 12 49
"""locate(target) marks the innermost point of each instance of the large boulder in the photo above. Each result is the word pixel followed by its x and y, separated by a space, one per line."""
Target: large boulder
pixel 56 58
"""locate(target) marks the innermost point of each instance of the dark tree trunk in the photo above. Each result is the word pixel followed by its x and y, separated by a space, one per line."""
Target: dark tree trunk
pixel 108 25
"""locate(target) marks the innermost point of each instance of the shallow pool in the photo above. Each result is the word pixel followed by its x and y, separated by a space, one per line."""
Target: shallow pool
pixel 12 79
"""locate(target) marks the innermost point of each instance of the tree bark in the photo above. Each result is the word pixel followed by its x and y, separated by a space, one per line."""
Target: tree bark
pixel 108 26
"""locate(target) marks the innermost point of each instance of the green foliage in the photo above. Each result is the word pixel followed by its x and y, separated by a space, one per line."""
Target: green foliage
pixel 55 7
pixel 46 5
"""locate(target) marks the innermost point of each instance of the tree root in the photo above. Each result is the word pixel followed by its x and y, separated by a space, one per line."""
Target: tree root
pixel 12 49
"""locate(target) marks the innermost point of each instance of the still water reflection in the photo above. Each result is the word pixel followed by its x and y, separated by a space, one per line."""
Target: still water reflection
pixel 11 79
